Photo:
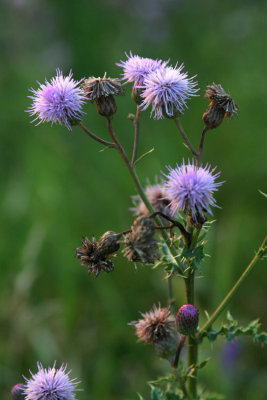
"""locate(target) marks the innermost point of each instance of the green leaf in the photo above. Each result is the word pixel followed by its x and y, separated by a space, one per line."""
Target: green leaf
pixel 156 393
pixel 264 194
pixel 140 397
pixel 144 155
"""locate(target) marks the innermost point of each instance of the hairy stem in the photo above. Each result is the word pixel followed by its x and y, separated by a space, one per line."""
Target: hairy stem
pixel 232 292
pixel 136 135
pixel 185 137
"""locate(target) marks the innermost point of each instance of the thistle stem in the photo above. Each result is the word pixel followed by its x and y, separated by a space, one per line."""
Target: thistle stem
pixel 232 292
pixel 141 192
pixel 192 350
pixel 93 136
pixel 136 135
pixel 185 137
pixel 201 144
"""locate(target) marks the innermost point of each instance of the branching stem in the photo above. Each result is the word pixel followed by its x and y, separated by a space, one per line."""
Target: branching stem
pixel 93 136
pixel 232 292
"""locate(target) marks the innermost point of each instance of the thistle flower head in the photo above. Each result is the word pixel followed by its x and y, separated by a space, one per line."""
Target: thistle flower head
pixel 17 392
pixel 190 188
pixel 167 90
pixel 50 384
pixel 136 68
pixel 157 327
pixel 156 195
pixel 222 105
pixel 59 100
pixel 94 88
pixel 187 319
pixel 140 245
pixel 96 255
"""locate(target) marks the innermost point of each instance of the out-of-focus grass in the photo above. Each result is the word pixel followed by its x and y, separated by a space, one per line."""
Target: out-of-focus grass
pixel 57 186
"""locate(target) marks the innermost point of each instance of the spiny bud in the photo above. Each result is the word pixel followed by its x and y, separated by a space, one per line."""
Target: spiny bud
pixel 157 327
pixel 187 319
pixel 96 255
pixel 222 105
pixel 140 244
pixel 17 392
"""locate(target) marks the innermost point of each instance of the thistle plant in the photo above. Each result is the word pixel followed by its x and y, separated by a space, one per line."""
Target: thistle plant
pixel 171 217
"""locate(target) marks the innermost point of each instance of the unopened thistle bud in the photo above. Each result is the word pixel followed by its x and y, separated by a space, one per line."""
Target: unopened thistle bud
pixel 96 255
pixel 187 319
pixel 17 392
pixel 102 90
pixel 157 327
pixel 140 244
pixel 222 105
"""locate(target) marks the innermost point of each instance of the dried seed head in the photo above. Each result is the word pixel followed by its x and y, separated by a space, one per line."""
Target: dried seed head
pixel 101 90
pixel 17 392
pixel 94 88
pixel 187 319
pixel 140 244
pixel 96 255
pixel 157 327
pixel 222 105
pixel 108 243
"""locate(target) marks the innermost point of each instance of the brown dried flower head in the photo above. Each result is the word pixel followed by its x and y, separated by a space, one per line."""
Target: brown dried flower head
pixel 96 255
pixel 140 245
pixel 222 105
pixel 157 327
pixel 102 90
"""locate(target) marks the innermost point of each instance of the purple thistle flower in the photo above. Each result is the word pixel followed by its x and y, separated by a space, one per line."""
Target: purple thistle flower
pixel 59 100
pixel 167 90
pixel 50 384
pixel 190 188
pixel 187 319
pixel 136 68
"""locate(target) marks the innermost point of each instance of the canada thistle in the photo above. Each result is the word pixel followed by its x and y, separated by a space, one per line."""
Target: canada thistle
pixel 157 327
pixel 50 384
pixel 187 319
pixel 140 245
pixel 96 255
pixel 102 90
pixel 59 100
pixel 17 392
pixel 221 105
pixel 190 189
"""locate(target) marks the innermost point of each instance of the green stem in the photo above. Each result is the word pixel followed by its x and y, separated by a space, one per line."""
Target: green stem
pixel 136 135
pixel 232 292
pixel 185 137
pixel 96 138
pixel 140 190
pixel 192 350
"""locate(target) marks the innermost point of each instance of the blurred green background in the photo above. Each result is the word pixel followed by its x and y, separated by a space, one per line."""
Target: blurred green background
pixel 57 186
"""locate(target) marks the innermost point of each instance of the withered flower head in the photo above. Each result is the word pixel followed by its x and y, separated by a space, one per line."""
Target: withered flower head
pixel 140 244
pixel 222 105
pixel 102 90
pixel 96 255
pixel 157 327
